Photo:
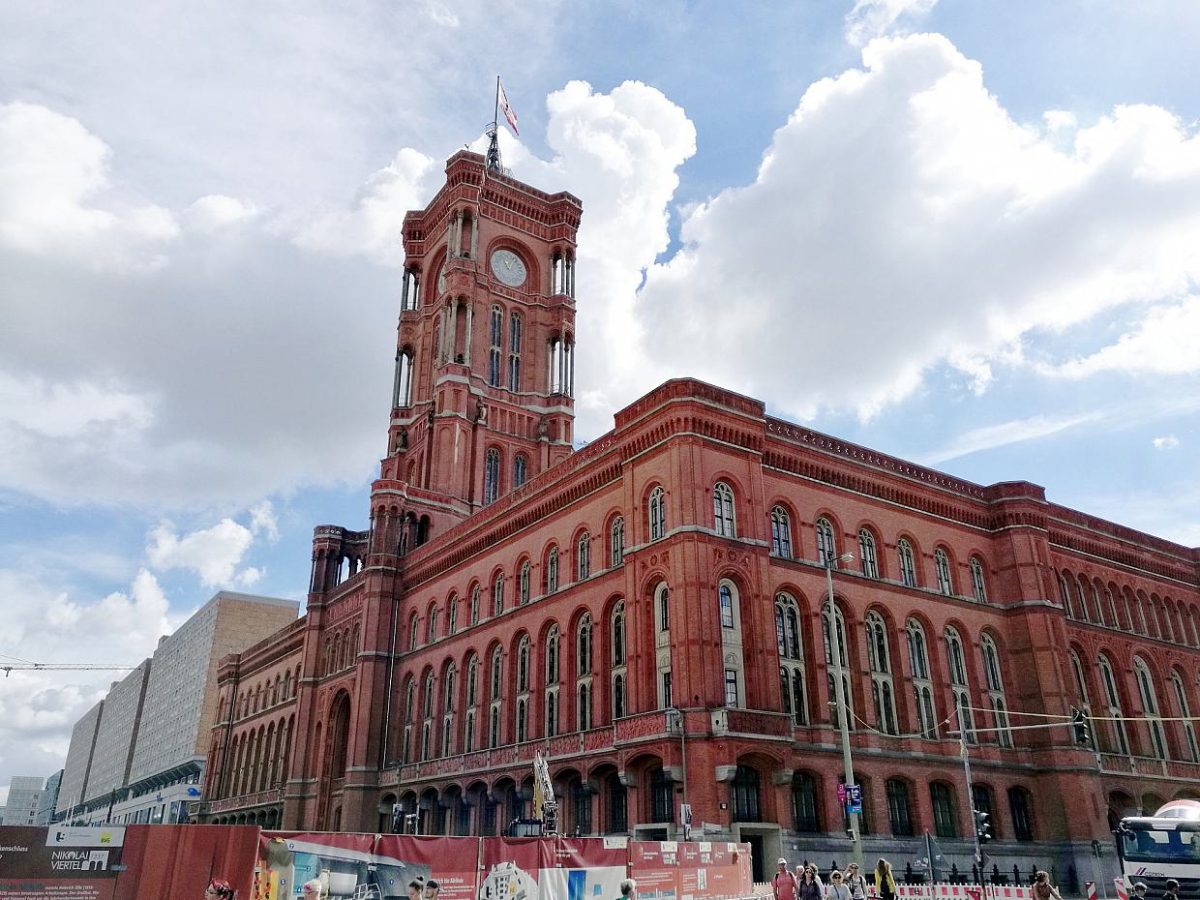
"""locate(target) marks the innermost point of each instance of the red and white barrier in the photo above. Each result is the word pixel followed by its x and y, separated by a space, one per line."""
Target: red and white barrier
pixel 1122 894
pixel 1090 888
pixel 964 892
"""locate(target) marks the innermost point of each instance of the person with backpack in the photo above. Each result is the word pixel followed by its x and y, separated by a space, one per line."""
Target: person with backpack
pixel 783 883
pixel 885 884
pixel 856 883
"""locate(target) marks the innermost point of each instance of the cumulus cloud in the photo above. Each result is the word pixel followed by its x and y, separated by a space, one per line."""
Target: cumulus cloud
pixel 875 18
pixel 212 553
pixel 51 171
pixel 1164 343
pixel 263 521
pixel 901 220
pixel 1166 442
pixel 48 625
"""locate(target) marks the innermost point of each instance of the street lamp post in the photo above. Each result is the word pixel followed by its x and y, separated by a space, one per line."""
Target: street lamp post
pixel 840 693
pixel 685 812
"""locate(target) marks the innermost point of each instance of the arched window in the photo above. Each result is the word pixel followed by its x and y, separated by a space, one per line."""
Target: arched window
pixel 491 476
pixel 431 626
pixel 616 635
pixel 496 677
pixel 978 584
pixel 838 666
pixel 662 608
pixel 552 676
pixel 781 533
pixel 523 583
pixel 882 695
pixel 908 564
pixel 522 719
pixel 452 614
pixel 941 562
pixel 497 684
pixel 723 520
pixel 412 638
pixel 520 470
pixel 495 336
pixel 918 663
pixel 498 594
pixel 523 652
pixel 826 545
pixel 867 553
pixel 899 810
pixel 583 705
pixel 583 557
pixel 804 803
pixel 1149 698
pixel 1113 699
pixel 616 542
pixel 941 797
pixel 745 791
pixel 583 646
pixel 1184 710
pixel 995 687
pixel 959 686
pixel 472 703
pixel 514 352
pixel 657 513
pixel 475 591
pixel 427 715
pixel 725 603
pixel 552 570
pixel 1019 808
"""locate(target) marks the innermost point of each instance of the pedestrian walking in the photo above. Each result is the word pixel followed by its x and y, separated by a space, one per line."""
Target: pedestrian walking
pixel 809 887
pixel 885 884
pixel 855 881
pixel 1043 889
pixel 1172 891
pixel 837 889
pixel 783 883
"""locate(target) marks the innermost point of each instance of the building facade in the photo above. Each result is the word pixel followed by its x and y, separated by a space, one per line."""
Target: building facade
pixel 138 756
pixel 24 801
pixel 49 799
pixel 651 613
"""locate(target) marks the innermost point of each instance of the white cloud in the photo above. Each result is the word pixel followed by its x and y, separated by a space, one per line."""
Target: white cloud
pixel 901 220
pixel 263 521
pixel 216 212
pixel 69 411
pixel 212 553
pixel 874 18
pixel 1005 433
pixel 1166 442
pixel 52 171
pixel 1164 343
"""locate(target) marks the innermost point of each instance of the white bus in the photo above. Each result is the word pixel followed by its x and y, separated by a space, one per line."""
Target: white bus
pixel 1165 845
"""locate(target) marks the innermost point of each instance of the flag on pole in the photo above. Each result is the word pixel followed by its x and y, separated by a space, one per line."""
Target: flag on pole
pixel 509 115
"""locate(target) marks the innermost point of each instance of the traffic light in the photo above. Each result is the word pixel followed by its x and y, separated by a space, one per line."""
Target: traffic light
pixel 1079 724
pixel 983 826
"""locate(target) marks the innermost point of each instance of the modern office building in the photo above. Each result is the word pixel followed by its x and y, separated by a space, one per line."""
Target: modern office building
pixel 651 613
pixel 49 799
pixel 24 800
pixel 142 759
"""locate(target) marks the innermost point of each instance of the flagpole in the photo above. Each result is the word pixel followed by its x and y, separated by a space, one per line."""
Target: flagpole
pixel 496 111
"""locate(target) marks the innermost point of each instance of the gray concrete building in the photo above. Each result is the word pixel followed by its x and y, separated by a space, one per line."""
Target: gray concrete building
pixel 24 800
pixel 49 799
pixel 145 759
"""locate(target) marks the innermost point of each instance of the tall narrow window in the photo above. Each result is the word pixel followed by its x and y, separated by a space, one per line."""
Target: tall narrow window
pixel 657 513
pixel 520 470
pixel 835 665
pixel 523 652
pixel 583 557
pixel 583 671
pixel 491 476
pixel 1120 738
pixel 1019 809
pixel 978 584
pixel 881 674
pixel 497 684
pixel 941 562
pixel 472 699
pixel 804 803
pixel 723 520
pixel 495 335
pixel 918 663
pixel 899 812
pixel 781 533
pixel 431 624
pixel 523 583
pixel 867 553
pixel 616 542
pixel 725 602
pixel 616 636
pixel 731 688
pixel 475 605
pixel 792 676
pixel 514 352
pixel 498 594
pixel 1145 683
pixel 452 614
pixel 995 687
pixel 1189 727
pixel 942 799
pixel 583 655
pixel 959 686
pixel 552 570
pixel 908 564
pixel 552 675
pixel 662 607
pixel 826 546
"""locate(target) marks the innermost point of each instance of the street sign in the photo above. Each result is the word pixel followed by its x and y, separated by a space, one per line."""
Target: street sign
pixel 854 798
pixel 842 794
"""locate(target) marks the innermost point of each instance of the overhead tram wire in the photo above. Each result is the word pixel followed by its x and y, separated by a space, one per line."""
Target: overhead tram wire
pixel 25 666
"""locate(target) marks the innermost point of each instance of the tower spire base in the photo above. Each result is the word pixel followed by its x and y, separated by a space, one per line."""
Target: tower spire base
pixel 493 151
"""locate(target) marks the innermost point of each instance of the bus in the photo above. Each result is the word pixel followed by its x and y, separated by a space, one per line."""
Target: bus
pixel 1166 845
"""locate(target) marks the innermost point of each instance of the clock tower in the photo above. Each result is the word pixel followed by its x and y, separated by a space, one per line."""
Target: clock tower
pixel 482 400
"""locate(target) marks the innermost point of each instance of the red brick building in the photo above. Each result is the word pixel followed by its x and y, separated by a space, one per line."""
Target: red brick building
pixel 513 596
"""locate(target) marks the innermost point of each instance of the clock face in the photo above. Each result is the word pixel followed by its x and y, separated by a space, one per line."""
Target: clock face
pixel 507 266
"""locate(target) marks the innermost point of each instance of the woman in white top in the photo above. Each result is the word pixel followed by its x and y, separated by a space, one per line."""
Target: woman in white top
pixel 836 889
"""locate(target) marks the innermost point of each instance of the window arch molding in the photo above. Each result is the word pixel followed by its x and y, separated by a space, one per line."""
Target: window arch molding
pixel 614 528
pixel 828 535
pixel 654 512
pixel 872 561
pixel 880 658
pixel 493 469
pixel 782 521
pixel 908 561
pixel 944 570
pixel 724 494
pixel 582 553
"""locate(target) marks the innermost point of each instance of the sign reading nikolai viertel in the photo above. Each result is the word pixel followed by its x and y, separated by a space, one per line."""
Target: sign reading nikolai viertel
pixel 63 863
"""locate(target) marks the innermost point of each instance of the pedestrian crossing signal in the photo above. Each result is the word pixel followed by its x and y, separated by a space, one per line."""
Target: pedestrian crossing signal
pixel 983 826
pixel 1081 727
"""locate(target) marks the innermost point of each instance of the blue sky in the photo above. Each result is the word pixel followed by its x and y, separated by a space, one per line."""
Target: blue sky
pixel 964 233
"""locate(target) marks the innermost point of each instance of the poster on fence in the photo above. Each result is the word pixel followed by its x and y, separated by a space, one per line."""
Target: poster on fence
pixel 180 860
pixel 60 863
pixel 287 860
pixel 713 870
pixel 654 866
pixel 584 869
pixel 446 866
